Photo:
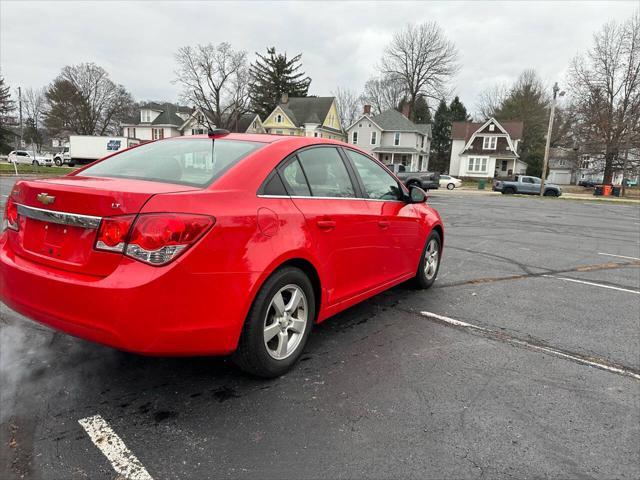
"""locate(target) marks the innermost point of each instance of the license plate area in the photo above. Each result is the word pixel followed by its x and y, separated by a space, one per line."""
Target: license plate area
pixel 59 242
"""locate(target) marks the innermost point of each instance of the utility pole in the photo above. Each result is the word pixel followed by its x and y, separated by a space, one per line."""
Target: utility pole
pixel 545 163
pixel 20 109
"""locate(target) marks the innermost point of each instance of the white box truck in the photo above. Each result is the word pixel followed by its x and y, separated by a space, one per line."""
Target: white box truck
pixel 85 149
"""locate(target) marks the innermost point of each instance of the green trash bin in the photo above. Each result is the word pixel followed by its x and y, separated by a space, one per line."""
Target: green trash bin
pixel 481 184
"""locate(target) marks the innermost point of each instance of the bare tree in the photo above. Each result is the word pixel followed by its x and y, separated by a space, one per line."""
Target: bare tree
pixel 349 105
pixel 384 93
pixel 34 104
pixel 215 78
pixel 605 88
pixel 423 58
pixel 84 100
pixel 490 100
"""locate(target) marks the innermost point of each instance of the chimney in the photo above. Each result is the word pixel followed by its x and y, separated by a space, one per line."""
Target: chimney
pixel 367 109
pixel 285 98
pixel 406 109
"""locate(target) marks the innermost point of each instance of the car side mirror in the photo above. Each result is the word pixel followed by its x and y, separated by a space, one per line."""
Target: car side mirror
pixel 417 195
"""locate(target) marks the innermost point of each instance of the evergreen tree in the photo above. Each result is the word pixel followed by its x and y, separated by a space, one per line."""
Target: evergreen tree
pixel 440 138
pixel 6 107
pixel 457 111
pixel 271 76
pixel 420 112
pixel 441 132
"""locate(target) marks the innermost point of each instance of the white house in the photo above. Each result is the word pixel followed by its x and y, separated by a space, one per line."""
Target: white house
pixel 562 166
pixel 392 138
pixel 486 150
pixel 199 121
pixel 163 120
pixel 591 168
pixel 158 120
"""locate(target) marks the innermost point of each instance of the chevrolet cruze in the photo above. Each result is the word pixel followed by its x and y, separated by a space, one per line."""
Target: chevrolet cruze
pixel 214 245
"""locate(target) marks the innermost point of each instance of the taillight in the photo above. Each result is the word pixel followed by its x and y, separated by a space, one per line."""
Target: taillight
pixel 154 238
pixel 159 238
pixel 113 232
pixel 11 215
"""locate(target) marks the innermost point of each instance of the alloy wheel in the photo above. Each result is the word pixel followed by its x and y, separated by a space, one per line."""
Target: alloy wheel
pixel 285 321
pixel 431 258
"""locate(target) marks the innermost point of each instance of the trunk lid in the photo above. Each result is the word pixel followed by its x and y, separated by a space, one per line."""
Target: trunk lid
pixel 59 218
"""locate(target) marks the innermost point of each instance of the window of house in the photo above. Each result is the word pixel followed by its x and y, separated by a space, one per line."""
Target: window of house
pixel 145 115
pixel 489 143
pixel 422 141
pixel 157 133
pixel 278 118
pixel 359 125
pixel 374 138
pixel 492 127
pixel 326 173
pixel 503 165
pixel 396 138
pixel 278 132
pixel 477 164
pixel 354 138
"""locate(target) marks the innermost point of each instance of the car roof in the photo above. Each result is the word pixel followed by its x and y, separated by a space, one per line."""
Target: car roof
pixel 269 138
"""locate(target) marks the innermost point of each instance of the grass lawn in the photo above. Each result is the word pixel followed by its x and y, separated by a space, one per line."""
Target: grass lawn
pixel 8 169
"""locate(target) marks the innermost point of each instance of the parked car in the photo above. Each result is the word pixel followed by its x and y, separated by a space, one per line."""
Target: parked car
pixel 23 156
pixel 527 185
pixel 424 180
pixel 450 182
pixel 588 183
pixel 168 253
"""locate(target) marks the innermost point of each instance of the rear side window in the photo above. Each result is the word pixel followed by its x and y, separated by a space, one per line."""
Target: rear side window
pixel 293 176
pixel 378 184
pixel 326 173
pixel 189 162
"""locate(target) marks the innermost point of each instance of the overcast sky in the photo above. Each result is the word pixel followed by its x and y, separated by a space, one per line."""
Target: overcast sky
pixel 341 42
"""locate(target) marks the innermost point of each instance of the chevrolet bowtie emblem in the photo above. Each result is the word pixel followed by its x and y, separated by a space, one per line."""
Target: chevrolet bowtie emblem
pixel 45 198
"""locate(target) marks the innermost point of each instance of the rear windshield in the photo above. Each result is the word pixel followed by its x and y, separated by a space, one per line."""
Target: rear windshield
pixel 188 162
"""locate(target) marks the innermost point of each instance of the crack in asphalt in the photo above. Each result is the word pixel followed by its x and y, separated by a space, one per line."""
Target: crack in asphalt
pixel 533 344
pixel 529 274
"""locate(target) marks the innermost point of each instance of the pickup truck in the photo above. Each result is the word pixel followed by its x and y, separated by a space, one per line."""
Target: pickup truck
pixel 527 185
pixel 424 180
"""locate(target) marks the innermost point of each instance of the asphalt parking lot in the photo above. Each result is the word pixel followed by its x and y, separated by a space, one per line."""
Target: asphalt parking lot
pixel 522 361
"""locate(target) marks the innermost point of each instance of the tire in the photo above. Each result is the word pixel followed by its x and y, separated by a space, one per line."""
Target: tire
pixel 72 164
pixel 34 163
pixel 425 277
pixel 550 193
pixel 508 191
pixel 256 355
pixel 450 186
pixel 58 162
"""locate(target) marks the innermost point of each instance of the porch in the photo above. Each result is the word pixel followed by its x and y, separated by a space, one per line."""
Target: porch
pixel 412 159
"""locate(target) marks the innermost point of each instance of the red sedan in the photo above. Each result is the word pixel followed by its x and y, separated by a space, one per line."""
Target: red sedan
pixel 214 245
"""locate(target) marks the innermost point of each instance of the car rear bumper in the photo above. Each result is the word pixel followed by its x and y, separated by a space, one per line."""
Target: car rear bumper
pixel 137 308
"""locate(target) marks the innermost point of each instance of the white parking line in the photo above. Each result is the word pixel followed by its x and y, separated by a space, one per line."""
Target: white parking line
pixel 618 256
pixel 593 284
pixel 531 346
pixel 123 461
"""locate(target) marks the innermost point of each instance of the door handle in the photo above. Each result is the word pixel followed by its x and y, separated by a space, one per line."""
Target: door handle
pixel 384 224
pixel 326 224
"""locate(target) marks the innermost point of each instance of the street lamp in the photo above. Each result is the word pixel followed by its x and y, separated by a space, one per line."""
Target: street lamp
pixel 543 177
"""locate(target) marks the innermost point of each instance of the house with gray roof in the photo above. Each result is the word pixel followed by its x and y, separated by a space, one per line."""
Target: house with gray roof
pixel 158 120
pixel 201 120
pixel 392 138
pixel 305 116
